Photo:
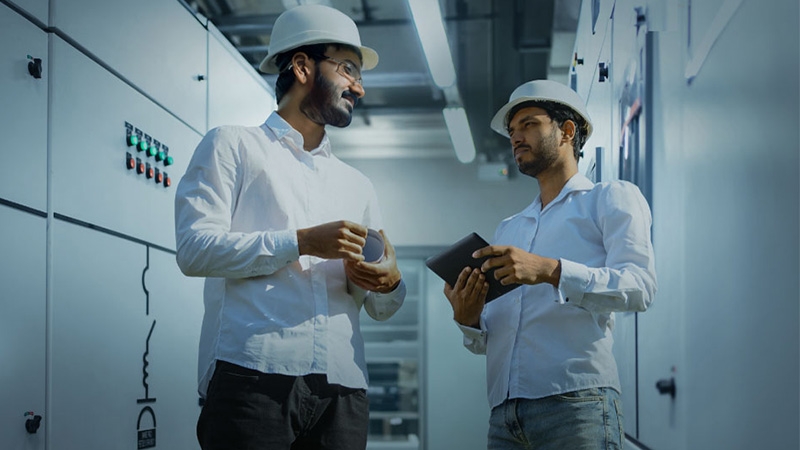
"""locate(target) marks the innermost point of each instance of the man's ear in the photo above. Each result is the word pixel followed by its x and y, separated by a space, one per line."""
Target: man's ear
pixel 568 131
pixel 301 67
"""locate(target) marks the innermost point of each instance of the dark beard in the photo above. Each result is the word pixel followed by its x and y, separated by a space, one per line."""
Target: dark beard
pixel 546 155
pixel 320 105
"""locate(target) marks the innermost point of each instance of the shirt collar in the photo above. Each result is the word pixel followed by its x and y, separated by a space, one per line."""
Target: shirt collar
pixel 285 133
pixel 577 182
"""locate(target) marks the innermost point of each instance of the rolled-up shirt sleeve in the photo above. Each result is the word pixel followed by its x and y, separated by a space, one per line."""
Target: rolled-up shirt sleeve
pixel 474 338
pixel 628 280
pixel 379 306
pixel 204 203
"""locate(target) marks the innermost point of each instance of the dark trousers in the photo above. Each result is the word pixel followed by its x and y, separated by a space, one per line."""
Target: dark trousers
pixel 249 410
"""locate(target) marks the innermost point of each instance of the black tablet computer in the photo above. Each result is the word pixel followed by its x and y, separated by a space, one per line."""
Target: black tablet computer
pixel 449 263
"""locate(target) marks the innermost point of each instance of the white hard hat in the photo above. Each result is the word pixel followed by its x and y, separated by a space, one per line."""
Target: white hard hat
pixel 541 90
pixel 314 24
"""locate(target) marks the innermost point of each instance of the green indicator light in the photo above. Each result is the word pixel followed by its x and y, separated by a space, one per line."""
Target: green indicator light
pixel 151 151
pixel 168 161
pixel 132 140
pixel 142 146
pixel 160 156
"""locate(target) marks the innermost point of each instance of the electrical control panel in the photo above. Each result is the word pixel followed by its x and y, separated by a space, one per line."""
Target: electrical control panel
pixel 116 156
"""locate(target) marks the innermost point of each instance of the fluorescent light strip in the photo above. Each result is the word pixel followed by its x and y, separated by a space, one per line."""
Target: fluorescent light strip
pixel 460 134
pixel 430 28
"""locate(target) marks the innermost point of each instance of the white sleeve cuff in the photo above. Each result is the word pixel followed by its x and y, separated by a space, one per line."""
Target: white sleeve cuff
pixel 573 282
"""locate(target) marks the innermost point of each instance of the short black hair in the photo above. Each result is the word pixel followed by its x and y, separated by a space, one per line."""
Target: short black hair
pixel 314 51
pixel 558 113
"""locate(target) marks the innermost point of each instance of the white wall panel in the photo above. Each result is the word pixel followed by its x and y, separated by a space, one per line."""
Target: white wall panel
pixel 36 8
pixel 22 328
pixel 623 41
pixel 23 114
pixel 661 334
pixel 742 225
pixel 91 181
pixel 237 95
pixel 599 105
pixel 157 45
pixel 723 325
pixel 124 340
pixel 589 40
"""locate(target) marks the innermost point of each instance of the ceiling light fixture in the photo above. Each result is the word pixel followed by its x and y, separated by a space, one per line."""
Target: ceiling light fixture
pixel 460 134
pixel 430 28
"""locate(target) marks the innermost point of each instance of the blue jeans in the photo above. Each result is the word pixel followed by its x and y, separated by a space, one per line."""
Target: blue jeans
pixel 249 410
pixel 589 419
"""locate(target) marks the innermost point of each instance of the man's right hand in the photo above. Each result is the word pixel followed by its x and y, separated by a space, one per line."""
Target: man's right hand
pixel 468 296
pixel 333 240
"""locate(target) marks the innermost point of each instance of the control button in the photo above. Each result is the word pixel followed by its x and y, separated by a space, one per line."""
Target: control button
pixel 139 166
pixel 32 425
pixel 168 161
pixel 159 177
pixel 160 156
pixel 149 172
pixel 130 163
pixel 167 180
pixel 152 150
pixel 142 146
pixel 132 140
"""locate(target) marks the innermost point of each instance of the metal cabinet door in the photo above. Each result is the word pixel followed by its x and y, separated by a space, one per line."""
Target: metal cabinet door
pixel 125 332
pixel 157 46
pixel 38 9
pixel 23 111
pixel 22 328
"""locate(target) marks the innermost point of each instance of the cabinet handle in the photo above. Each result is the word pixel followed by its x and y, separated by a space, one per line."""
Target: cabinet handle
pixel 32 425
pixel 35 67
pixel 603 72
pixel 666 386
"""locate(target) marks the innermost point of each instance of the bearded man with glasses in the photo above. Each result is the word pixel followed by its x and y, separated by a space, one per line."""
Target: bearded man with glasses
pixel 276 223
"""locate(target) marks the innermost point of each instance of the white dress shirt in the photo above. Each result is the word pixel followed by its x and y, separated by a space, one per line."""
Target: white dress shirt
pixel 245 194
pixel 540 340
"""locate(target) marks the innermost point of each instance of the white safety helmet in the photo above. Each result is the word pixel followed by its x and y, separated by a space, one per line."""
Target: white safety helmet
pixel 541 90
pixel 314 24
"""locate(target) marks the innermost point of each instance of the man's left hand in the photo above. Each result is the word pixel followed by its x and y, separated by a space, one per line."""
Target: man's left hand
pixel 513 265
pixel 383 276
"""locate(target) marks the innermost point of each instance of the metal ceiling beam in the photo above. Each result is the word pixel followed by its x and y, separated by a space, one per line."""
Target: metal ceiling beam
pixel 382 80
pixel 261 24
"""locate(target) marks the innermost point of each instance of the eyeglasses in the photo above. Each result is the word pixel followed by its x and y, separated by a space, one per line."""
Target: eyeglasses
pixel 347 70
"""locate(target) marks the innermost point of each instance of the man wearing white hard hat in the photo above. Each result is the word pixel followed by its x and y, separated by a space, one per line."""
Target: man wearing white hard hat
pixel 582 252
pixel 278 226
